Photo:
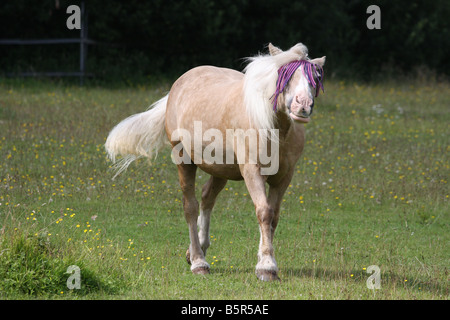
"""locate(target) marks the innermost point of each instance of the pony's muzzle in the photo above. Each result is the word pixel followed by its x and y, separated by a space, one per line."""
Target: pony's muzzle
pixel 301 109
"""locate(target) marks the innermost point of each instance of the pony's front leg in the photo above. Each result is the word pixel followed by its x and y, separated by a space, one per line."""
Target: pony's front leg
pixel 266 268
pixel 276 192
pixel 210 192
pixel 195 256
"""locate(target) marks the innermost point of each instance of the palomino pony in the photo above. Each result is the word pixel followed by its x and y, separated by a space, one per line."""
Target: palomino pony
pixel 271 100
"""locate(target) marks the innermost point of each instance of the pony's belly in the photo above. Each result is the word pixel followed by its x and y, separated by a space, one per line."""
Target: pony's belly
pixel 226 171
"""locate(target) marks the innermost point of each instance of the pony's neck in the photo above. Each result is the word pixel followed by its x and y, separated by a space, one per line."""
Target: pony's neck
pixel 283 124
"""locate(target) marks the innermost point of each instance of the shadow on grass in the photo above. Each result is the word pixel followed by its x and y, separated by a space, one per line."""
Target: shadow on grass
pixel 387 279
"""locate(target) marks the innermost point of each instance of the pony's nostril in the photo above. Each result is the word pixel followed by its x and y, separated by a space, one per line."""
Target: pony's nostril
pixel 304 112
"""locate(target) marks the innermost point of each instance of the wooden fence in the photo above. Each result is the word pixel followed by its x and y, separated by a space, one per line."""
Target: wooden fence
pixel 84 41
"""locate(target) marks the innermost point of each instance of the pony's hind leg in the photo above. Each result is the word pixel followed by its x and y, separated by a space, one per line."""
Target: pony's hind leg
pixel 209 194
pixel 186 174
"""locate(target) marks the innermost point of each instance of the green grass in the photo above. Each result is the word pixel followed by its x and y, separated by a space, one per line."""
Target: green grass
pixel 371 189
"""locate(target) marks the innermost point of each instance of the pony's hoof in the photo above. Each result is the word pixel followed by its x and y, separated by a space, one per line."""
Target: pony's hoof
pixel 267 275
pixel 201 270
pixel 188 257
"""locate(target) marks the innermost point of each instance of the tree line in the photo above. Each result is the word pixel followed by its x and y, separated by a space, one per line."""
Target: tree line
pixel 144 38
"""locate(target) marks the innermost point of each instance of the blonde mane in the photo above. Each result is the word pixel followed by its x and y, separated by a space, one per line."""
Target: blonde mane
pixel 260 84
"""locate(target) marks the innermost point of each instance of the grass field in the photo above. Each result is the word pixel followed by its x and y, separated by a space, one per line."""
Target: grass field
pixel 371 188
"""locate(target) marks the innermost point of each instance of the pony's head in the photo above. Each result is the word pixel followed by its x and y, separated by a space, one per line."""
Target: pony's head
pixel 300 81
pixel 286 81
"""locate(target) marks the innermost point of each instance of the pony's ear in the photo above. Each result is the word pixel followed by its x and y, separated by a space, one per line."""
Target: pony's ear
pixel 274 50
pixel 319 61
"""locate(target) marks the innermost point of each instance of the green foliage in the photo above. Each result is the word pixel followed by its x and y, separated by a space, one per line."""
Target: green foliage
pixel 30 265
pixel 142 38
pixel 27 267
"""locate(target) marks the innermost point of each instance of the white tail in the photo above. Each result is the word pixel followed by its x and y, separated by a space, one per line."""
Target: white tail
pixel 140 135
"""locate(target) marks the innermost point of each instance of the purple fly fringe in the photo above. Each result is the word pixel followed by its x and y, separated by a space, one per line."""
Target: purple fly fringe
pixel 310 70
